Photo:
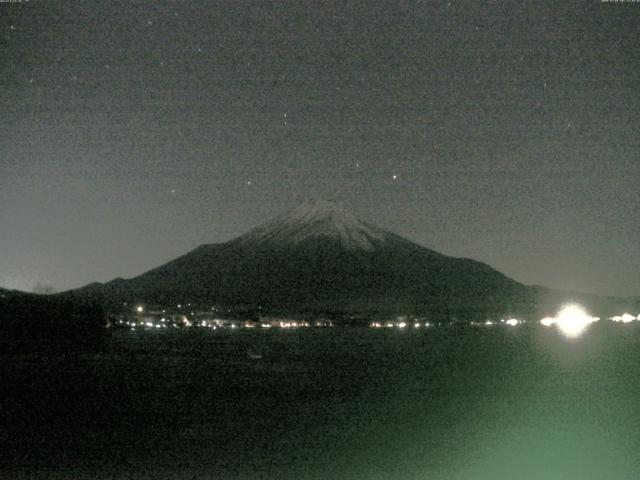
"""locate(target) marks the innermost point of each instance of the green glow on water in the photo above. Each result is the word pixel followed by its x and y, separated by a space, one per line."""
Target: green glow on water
pixel 443 404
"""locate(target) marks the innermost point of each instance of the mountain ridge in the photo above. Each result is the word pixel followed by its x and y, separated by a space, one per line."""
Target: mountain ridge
pixel 317 219
pixel 319 257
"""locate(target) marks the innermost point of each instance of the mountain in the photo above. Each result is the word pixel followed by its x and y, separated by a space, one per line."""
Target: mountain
pixel 319 257
pixel 73 320
pixel 319 220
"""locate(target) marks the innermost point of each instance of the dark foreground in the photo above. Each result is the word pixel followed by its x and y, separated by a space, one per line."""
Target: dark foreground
pixel 470 403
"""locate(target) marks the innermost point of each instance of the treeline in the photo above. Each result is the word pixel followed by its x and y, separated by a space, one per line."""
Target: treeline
pixel 29 321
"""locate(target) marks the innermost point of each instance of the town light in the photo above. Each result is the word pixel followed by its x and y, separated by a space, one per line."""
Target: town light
pixel 548 321
pixel 624 318
pixel 572 320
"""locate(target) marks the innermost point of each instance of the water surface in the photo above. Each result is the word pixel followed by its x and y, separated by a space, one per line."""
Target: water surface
pixel 345 403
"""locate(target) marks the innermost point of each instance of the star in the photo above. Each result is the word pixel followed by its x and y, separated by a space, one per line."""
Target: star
pixel 395 177
pixel 249 182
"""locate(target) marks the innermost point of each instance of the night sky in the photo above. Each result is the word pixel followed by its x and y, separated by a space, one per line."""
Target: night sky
pixel 507 132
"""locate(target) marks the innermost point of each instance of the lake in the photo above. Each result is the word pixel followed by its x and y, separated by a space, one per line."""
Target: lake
pixel 341 403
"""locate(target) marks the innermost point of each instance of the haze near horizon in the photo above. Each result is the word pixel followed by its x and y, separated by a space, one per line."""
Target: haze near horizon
pixel 134 132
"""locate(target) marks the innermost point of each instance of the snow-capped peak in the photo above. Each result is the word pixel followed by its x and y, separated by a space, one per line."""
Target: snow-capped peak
pixel 319 219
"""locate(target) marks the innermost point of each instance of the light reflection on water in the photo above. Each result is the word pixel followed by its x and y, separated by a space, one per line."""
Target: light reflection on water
pixel 473 403
pixel 573 415
pixel 572 320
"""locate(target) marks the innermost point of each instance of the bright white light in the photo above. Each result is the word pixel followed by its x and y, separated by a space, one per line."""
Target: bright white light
pixel 624 318
pixel 548 321
pixel 402 325
pixel 139 309
pixel 512 322
pixel 572 320
pixel 488 323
